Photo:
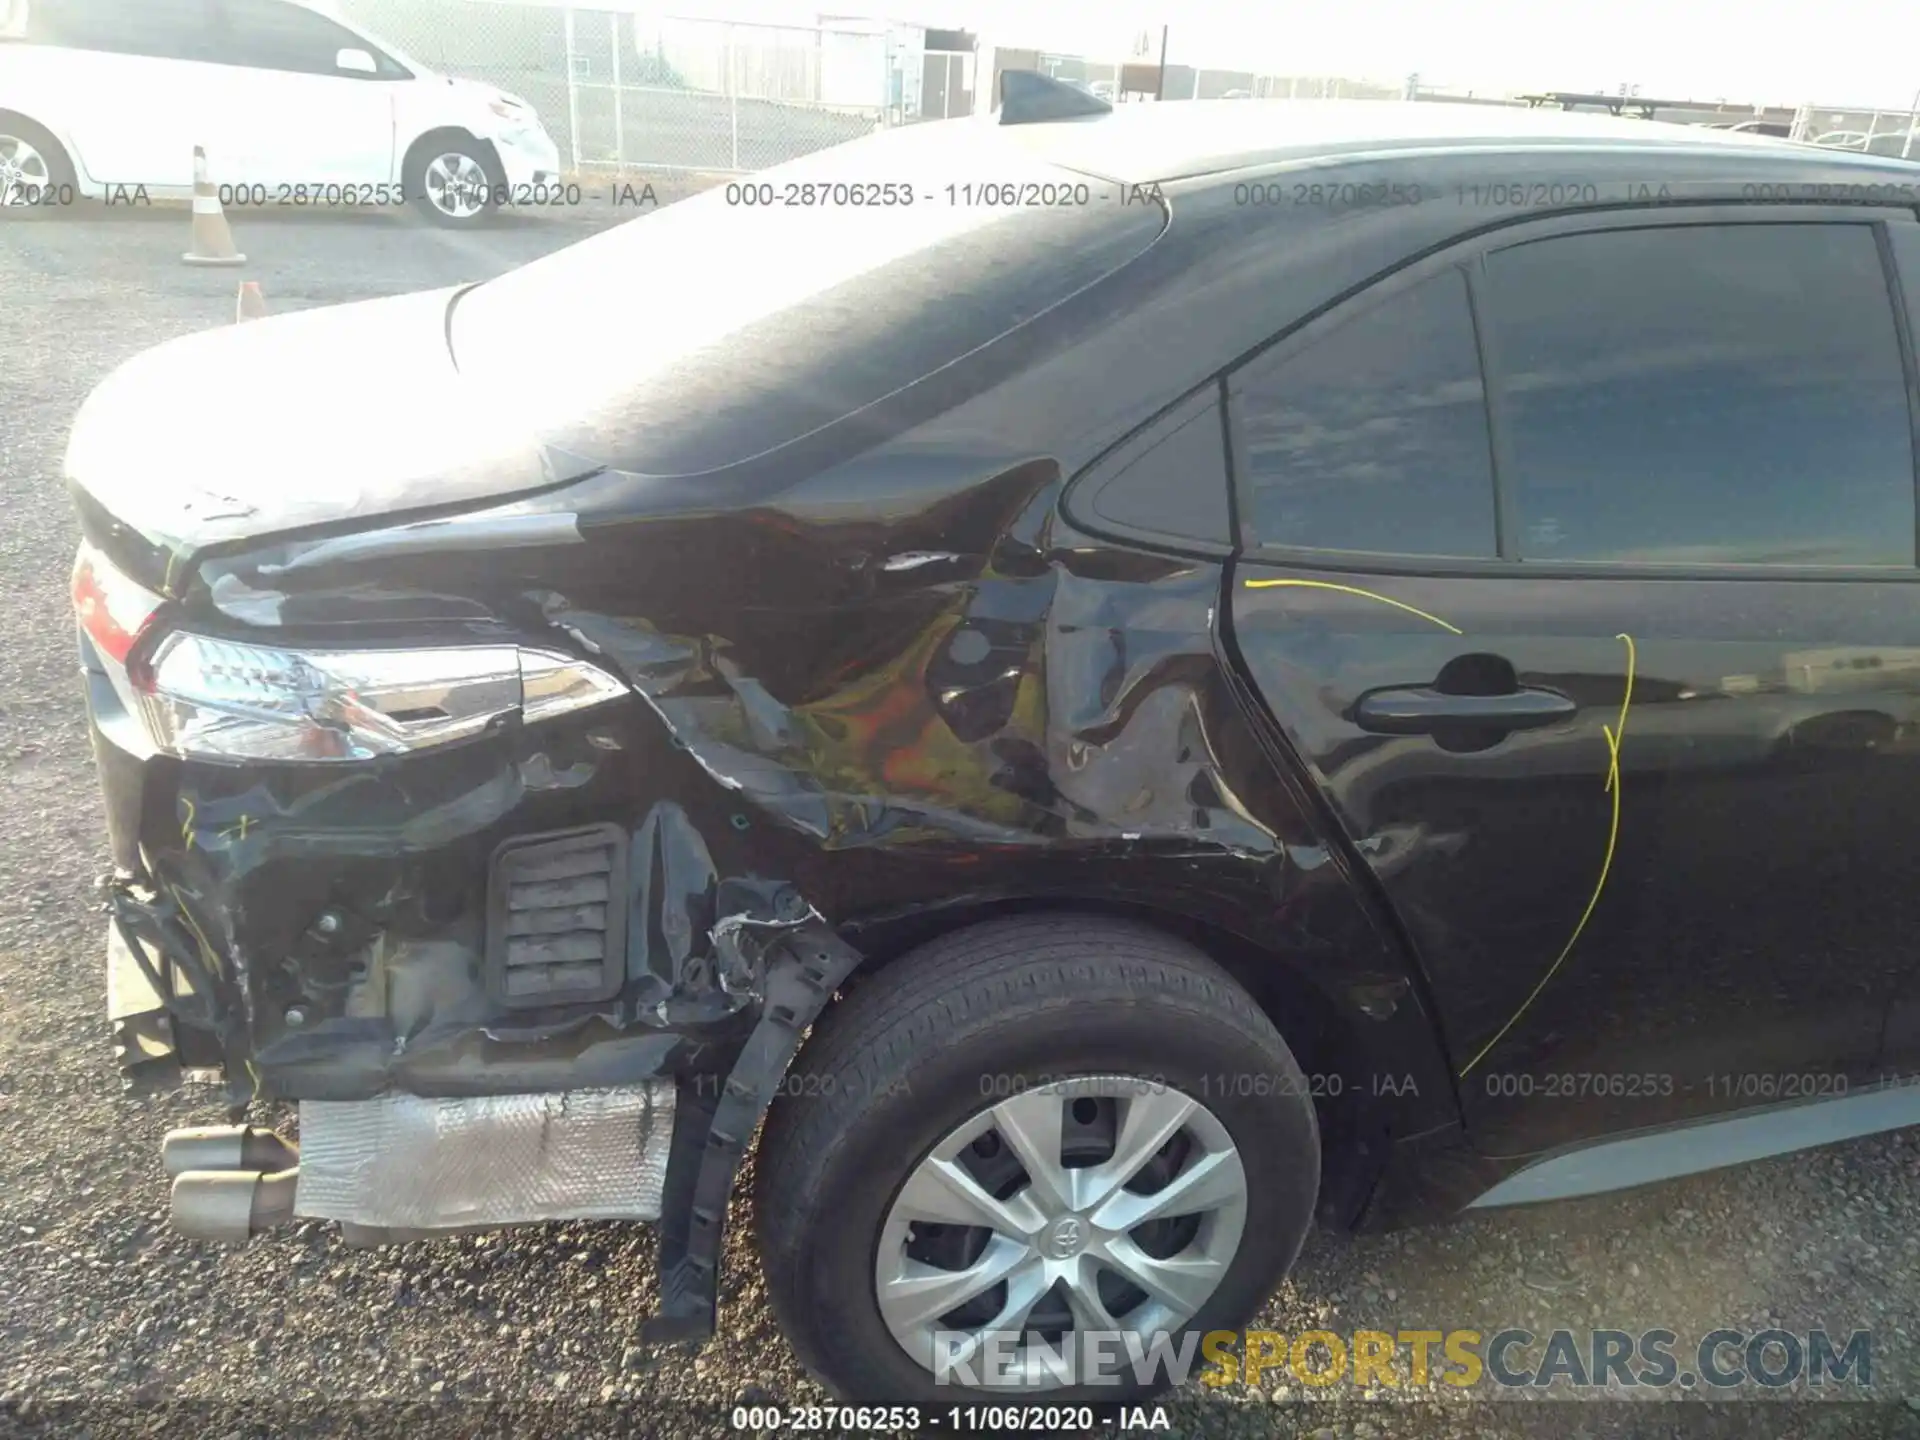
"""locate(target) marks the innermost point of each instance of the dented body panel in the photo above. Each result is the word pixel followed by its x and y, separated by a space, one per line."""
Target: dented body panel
pixel 1035 716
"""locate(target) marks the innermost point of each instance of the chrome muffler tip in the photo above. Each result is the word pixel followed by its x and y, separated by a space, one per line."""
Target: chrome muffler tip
pixel 226 1147
pixel 230 1207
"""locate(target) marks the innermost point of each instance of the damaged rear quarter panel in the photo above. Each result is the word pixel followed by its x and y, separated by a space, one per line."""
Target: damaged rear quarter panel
pixel 969 706
pixel 893 687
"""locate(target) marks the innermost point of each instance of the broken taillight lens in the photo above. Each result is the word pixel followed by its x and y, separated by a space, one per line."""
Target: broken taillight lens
pixel 113 611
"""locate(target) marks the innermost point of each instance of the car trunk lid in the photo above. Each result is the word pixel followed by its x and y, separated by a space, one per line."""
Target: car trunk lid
pixel 305 421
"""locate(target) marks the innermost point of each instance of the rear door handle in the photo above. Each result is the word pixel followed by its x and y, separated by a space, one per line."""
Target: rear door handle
pixel 1420 710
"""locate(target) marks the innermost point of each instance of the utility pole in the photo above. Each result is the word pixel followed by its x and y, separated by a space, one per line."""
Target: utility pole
pixel 1160 85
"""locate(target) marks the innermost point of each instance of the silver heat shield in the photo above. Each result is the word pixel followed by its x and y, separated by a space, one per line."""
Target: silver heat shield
pixel 408 1163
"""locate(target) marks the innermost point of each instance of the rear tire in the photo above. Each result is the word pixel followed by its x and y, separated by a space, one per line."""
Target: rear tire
pixel 955 1040
pixel 34 168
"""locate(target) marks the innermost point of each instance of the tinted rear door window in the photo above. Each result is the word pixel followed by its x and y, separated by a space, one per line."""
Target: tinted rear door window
pixel 1727 394
pixel 271 35
pixel 1373 437
pixel 161 29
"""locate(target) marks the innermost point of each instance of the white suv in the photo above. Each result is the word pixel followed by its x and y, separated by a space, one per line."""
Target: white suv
pixel 291 104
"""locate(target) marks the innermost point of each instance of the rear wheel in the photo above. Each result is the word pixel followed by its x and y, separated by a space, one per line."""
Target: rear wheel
pixel 1024 1135
pixel 34 169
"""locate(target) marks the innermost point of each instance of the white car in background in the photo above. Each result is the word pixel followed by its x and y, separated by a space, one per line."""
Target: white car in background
pixel 1899 144
pixel 293 106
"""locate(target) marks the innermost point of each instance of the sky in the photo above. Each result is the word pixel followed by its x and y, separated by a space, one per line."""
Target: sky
pixel 1829 52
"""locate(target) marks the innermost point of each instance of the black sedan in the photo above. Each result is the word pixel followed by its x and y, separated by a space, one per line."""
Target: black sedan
pixel 1131 679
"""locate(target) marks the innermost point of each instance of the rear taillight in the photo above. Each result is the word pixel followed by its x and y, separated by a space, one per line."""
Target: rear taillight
pixel 114 612
pixel 206 697
pixel 216 699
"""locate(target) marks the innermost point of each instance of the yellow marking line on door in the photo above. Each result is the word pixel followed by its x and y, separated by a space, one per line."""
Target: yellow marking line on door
pixel 1614 734
pixel 1363 594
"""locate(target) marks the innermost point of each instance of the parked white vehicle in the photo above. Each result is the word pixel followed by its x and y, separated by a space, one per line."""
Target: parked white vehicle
pixel 100 97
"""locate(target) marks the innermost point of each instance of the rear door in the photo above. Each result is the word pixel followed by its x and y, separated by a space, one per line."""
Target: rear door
pixel 1580 567
pixel 120 77
pixel 294 118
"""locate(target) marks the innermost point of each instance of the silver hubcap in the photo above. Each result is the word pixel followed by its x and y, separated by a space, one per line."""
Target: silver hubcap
pixel 1102 1203
pixel 24 173
pixel 457 186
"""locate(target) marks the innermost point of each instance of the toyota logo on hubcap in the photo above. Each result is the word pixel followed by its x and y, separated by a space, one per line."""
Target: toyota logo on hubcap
pixel 1064 1239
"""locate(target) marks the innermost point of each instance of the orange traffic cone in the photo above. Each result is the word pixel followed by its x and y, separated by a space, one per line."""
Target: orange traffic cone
pixel 212 240
pixel 250 304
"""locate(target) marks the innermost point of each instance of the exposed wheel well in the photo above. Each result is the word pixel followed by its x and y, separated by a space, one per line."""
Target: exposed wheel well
pixel 1321 1038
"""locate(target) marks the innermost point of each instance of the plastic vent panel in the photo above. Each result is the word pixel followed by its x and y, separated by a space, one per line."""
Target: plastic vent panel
pixel 557 918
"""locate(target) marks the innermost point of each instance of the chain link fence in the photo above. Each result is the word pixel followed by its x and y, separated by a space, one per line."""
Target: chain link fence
pixel 621 90
pixel 1877 132
pixel 1245 85
pixel 1190 82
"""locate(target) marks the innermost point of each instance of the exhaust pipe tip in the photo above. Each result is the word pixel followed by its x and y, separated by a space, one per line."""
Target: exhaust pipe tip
pixel 226 1147
pixel 230 1207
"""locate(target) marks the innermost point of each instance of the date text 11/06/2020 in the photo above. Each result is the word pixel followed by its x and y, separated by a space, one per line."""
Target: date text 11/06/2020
pixel 1721 1361
pixel 1216 1086
pixel 387 196
pixel 898 194
pixel 1589 1084
pixel 970 1419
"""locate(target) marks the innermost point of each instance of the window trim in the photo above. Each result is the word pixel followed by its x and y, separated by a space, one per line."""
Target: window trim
pixel 1470 254
pixel 1903 329
pixel 1190 407
pixel 1499 448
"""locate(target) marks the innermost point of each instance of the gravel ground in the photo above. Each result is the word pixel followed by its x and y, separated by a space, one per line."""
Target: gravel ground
pixel 109 1322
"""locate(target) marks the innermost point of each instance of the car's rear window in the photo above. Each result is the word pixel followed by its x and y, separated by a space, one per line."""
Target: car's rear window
pixel 757 312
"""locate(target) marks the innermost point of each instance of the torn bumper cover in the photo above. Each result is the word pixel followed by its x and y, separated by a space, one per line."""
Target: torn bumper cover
pixel 401 1167
pixel 492 1004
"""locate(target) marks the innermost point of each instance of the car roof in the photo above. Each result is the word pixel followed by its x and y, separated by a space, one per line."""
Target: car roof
pixel 1157 143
